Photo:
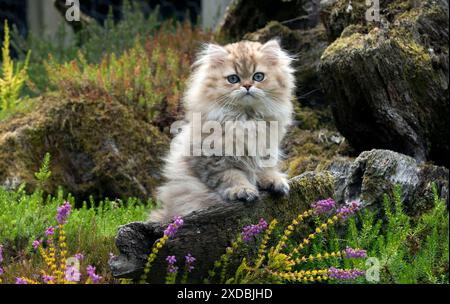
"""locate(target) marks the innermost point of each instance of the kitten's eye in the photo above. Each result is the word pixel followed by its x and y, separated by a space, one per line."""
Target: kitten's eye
pixel 258 76
pixel 233 78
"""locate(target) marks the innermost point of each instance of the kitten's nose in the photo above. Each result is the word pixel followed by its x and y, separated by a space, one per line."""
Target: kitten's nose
pixel 247 86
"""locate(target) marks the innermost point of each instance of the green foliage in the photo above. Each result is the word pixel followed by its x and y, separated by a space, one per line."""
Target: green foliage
pixel 293 255
pixel 44 172
pixel 12 78
pixel 94 41
pixel 24 217
pixel 91 229
pixel 149 77
pixel 408 250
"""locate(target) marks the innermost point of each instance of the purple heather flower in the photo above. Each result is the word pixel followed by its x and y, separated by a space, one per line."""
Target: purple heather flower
pixel 63 212
pixel 1 271
pixel 323 206
pixel 50 231
pixel 79 256
pixel 36 244
pixel 344 274
pixel 48 278
pixel 91 272
pixel 174 226
pixel 171 260
pixel 72 274
pixel 252 230
pixel 355 253
pixel 1 253
pixel 190 260
pixel 348 210
pixel 21 281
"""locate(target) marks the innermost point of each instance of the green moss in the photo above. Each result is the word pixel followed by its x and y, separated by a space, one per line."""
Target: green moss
pixel 312 143
pixel 98 147
pixel 310 186
pixel 353 42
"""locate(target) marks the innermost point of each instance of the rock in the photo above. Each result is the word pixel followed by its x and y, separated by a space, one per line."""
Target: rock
pixel 206 233
pixel 307 45
pixel 377 172
pixel 247 16
pixel 97 148
pixel 389 87
pixel 366 179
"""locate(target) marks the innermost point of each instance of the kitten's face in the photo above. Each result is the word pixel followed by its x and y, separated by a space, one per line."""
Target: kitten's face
pixel 244 75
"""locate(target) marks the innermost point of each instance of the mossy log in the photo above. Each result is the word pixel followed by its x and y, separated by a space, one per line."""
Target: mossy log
pixel 98 148
pixel 206 233
pixel 389 87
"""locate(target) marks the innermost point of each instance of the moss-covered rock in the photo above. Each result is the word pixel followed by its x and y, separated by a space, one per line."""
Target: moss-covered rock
pixel 389 87
pixel 377 172
pixel 247 16
pixel 98 148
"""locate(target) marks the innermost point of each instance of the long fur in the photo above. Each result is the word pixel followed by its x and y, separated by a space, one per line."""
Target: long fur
pixel 197 182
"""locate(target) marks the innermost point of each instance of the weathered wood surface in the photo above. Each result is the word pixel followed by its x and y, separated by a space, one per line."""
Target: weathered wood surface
pixel 206 233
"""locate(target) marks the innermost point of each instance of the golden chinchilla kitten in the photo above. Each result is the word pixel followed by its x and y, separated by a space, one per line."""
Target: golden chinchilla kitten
pixel 243 83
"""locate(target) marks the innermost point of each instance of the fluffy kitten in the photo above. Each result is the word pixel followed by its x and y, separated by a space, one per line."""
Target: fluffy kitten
pixel 240 82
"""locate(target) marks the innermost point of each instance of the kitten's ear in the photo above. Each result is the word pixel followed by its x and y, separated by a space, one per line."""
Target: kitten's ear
pixel 271 45
pixel 272 50
pixel 213 54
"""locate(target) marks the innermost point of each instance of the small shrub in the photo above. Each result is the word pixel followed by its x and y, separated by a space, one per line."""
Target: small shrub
pixel 408 250
pixel 12 77
pixel 94 41
pixel 150 77
pixel 24 218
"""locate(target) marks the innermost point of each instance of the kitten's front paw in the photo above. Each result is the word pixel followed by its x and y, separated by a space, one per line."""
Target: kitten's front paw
pixel 246 194
pixel 278 185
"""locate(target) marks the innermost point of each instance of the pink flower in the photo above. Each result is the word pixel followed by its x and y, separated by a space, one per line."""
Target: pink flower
pixel 323 206
pixel 91 272
pixel 36 244
pixel 349 209
pixel 79 256
pixel 174 226
pixel 355 253
pixel 50 231
pixel 63 212
pixel 21 281
pixel 190 260
pixel 252 230
pixel 171 260
pixel 48 278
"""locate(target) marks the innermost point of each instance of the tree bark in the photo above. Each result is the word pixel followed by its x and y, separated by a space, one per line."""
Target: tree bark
pixel 206 233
